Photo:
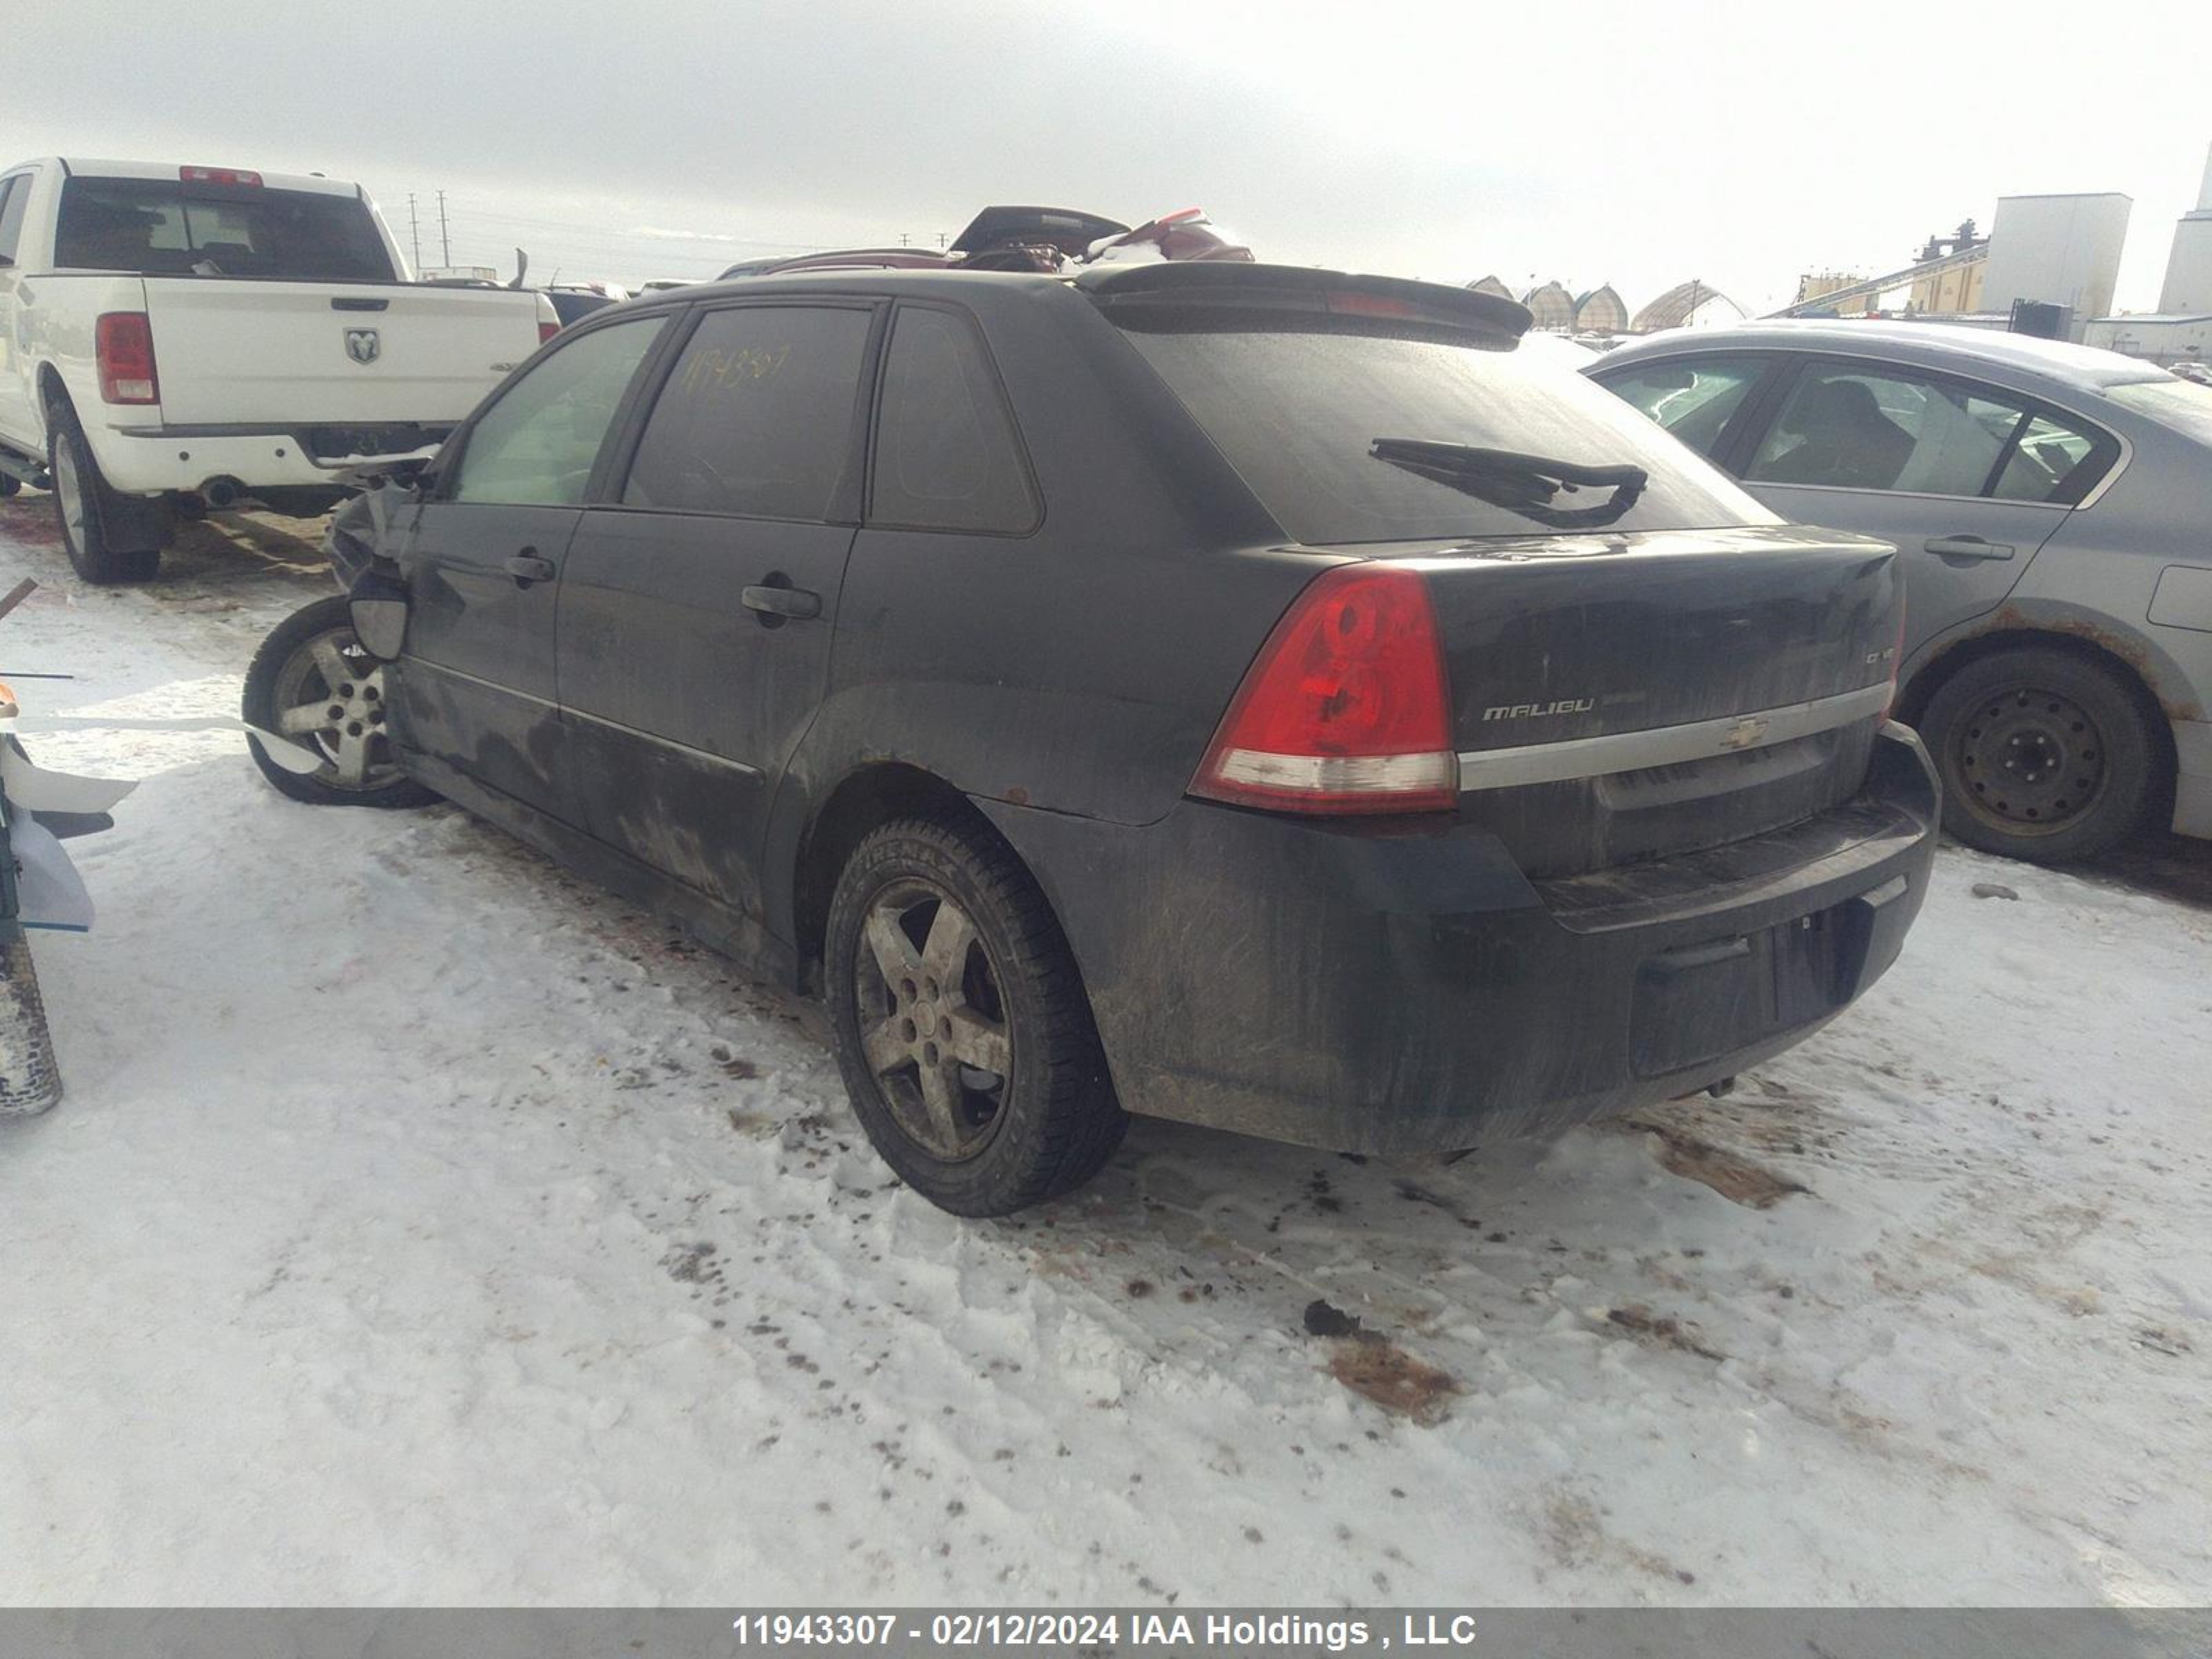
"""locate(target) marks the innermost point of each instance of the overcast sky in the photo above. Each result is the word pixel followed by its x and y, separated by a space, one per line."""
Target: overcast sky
pixel 1640 144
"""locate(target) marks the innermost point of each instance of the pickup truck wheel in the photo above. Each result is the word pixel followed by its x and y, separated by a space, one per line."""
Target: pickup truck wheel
pixel 960 1025
pixel 2044 756
pixel 89 511
pixel 312 681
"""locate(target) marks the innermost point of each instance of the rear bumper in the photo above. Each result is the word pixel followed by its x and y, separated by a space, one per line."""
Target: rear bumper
pixel 1367 989
pixel 143 460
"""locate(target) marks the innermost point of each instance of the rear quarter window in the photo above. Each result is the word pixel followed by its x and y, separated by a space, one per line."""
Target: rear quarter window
pixel 946 457
pixel 1296 410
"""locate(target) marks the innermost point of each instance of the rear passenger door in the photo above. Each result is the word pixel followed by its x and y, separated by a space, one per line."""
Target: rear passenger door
pixel 698 598
pixel 1968 480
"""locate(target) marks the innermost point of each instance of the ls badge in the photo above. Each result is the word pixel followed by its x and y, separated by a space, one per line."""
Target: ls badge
pixel 363 345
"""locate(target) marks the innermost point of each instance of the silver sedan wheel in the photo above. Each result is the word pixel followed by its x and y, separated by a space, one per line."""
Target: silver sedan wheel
pixel 932 1019
pixel 329 695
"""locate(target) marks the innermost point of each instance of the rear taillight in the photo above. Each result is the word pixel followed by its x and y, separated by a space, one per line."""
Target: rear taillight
pixel 1347 708
pixel 123 346
pixel 546 331
pixel 238 176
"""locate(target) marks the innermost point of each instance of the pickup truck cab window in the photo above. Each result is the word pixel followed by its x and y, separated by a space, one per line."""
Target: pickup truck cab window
pixel 756 418
pixel 536 446
pixel 947 454
pixel 158 227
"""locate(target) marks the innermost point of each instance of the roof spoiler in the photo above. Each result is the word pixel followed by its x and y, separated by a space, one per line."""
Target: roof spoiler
pixel 1297 287
pixel 1065 228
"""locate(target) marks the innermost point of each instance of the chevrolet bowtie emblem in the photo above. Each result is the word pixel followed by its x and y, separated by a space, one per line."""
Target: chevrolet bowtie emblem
pixel 1745 733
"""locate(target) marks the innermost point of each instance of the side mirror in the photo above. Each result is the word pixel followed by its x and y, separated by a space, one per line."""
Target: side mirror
pixel 379 613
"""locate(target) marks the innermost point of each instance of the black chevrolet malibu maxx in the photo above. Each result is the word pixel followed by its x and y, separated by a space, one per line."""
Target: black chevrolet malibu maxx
pixel 1258 696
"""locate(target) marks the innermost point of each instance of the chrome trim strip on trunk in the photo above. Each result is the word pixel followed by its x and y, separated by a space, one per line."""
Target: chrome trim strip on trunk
pixel 1664 746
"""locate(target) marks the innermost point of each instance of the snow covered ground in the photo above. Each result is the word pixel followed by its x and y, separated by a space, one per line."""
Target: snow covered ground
pixel 424 1225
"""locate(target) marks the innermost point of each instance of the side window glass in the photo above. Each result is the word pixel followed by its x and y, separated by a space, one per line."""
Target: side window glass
pixel 2054 462
pixel 1695 399
pixel 1851 429
pixel 947 454
pixel 756 417
pixel 14 202
pixel 536 447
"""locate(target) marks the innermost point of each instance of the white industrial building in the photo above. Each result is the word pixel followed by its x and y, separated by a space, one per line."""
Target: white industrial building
pixel 2161 337
pixel 2180 329
pixel 2189 267
pixel 2057 250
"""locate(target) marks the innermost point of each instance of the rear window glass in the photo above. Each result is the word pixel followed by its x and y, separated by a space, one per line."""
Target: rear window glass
pixel 756 418
pixel 1297 412
pixel 156 227
pixel 2172 402
pixel 946 457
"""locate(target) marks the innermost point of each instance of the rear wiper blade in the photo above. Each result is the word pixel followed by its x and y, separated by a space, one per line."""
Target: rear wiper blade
pixel 1526 484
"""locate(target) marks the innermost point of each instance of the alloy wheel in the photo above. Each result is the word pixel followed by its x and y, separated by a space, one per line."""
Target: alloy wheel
pixel 932 1019
pixel 330 693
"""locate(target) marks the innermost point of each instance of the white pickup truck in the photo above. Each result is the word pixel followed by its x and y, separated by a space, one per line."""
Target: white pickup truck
pixel 174 339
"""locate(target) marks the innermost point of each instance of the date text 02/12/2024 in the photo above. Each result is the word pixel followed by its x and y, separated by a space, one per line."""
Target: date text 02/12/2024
pixel 959 1631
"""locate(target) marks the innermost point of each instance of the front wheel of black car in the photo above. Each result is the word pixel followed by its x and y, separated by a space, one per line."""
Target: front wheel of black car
pixel 311 683
pixel 2045 756
pixel 960 1025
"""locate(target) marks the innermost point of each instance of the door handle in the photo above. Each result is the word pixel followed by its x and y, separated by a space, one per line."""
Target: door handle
pixel 527 568
pixel 773 601
pixel 1968 547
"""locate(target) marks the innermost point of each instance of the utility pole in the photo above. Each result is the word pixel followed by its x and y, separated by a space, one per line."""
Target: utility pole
pixel 445 238
pixel 414 233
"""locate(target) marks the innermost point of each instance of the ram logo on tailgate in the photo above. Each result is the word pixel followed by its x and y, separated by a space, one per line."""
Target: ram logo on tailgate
pixel 364 345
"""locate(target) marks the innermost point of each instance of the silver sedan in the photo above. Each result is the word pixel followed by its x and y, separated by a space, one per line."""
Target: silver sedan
pixel 2054 507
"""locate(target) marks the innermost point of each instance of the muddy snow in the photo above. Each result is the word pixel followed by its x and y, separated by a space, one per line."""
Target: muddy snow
pixel 423 1225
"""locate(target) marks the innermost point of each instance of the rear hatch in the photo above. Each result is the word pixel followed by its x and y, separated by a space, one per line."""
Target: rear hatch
pixel 1662 691
pixel 285 354
pixel 1642 660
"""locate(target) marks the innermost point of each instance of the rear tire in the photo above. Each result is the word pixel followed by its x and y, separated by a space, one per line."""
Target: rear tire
pixel 960 1023
pixel 109 537
pixel 2045 756
pixel 312 682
